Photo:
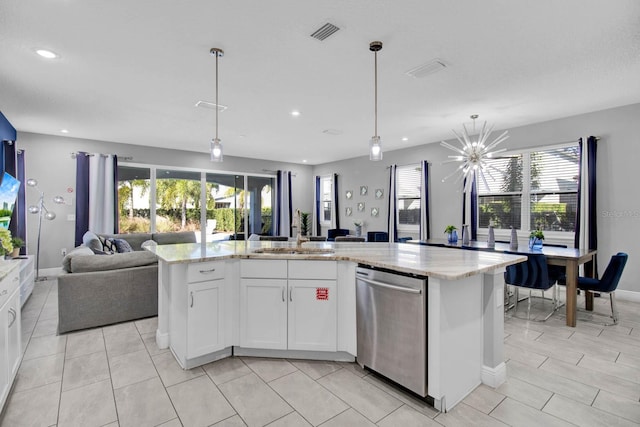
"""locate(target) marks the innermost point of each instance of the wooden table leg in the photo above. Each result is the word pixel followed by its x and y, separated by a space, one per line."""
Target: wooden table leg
pixel 588 300
pixel 572 284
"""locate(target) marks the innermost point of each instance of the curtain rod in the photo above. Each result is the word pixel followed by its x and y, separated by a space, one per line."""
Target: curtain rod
pixel 272 171
pixel 124 158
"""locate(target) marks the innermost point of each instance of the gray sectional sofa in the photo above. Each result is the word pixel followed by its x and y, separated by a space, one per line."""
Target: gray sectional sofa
pixel 97 290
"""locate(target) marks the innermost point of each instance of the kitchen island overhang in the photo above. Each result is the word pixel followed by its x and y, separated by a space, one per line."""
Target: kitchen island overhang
pixel 464 294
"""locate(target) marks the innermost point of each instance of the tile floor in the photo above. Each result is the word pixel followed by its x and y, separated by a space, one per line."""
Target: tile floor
pixel 116 376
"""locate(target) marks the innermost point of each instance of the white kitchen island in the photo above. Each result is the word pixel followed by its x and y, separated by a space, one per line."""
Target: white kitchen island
pixel 230 298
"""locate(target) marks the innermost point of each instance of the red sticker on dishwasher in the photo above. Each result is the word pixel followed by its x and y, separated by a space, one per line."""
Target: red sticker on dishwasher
pixel 322 294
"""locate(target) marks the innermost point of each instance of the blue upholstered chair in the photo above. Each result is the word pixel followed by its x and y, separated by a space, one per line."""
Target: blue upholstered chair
pixel 274 238
pixel 349 239
pixel 333 232
pixel 608 283
pixel 532 274
pixel 377 236
pixel 317 238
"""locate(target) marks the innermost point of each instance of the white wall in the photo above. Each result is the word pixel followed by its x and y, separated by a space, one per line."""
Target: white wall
pixel 48 159
pixel 618 204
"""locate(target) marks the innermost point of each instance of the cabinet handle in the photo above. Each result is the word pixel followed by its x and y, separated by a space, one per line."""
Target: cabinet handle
pixel 290 294
pixel 207 271
pixel 283 294
pixel 191 298
pixel 13 313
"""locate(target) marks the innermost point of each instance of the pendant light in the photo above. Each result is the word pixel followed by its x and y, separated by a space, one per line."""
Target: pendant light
pixel 375 146
pixel 216 146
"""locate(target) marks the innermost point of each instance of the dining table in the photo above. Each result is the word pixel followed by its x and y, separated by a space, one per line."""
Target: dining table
pixel 570 258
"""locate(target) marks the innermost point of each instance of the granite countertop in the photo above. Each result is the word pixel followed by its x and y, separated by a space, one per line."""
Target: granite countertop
pixel 443 263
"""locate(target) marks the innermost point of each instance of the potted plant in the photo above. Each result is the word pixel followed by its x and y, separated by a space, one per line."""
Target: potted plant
pixel 17 243
pixel 304 223
pixel 5 242
pixel 535 240
pixel 452 234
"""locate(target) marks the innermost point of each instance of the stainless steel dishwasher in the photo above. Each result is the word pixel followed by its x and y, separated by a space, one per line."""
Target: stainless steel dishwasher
pixel 391 316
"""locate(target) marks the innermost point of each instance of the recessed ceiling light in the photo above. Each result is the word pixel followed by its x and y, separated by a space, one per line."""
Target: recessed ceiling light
pixel 295 113
pixel 47 53
pixel 64 130
pixel 405 138
pixel 304 161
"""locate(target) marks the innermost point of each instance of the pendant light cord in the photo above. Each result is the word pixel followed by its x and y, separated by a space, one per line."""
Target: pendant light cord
pixel 217 106
pixel 375 73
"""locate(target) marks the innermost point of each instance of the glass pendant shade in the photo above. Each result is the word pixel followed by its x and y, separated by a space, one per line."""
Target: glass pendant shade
pixel 375 149
pixel 216 150
pixel 50 216
pixel 34 209
pixel 58 200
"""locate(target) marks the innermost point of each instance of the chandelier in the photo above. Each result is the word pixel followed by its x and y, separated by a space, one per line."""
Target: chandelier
pixel 473 154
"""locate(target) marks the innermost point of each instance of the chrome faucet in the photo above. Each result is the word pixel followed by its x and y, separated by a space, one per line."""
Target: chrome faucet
pixel 300 240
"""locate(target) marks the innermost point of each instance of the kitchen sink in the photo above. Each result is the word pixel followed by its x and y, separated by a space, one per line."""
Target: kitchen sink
pixel 294 251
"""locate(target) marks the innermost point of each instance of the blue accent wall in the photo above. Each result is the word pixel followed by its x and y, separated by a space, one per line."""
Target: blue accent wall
pixel 7 132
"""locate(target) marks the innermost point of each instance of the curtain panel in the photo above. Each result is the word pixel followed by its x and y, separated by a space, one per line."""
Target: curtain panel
pixel 335 218
pixel 316 208
pixel 392 218
pixel 586 234
pixel 470 199
pixel 21 204
pixel 284 212
pixel 425 232
pixel 96 194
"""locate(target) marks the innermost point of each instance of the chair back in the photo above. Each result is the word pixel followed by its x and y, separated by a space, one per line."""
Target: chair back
pixel 611 277
pixel 349 239
pixel 317 238
pixel 274 238
pixel 377 236
pixel 533 273
pixel 332 233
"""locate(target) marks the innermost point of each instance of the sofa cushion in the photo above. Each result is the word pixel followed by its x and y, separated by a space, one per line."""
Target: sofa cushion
pixel 83 264
pixel 175 237
pixel 79 251
pixel 108 245
pixel 92 241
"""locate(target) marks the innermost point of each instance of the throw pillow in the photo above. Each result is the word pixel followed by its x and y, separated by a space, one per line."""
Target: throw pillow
pixel 91 240
pixel 122 246
pixel 108 245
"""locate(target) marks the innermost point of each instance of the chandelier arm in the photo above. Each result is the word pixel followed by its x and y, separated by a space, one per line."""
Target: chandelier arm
pixel 503 137
pixel 463 140
pixel 452 173
pixel 484 134
pixel 497 170
pixel 451 147
pixel 493 153
pixel 484 180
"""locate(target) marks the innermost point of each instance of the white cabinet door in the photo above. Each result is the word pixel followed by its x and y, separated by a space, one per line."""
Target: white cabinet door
pixel 10 345
pixel 263 313
pixel 312 315
pixel 205 319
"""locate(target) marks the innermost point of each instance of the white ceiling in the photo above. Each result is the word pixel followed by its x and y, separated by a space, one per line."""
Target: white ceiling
pixel 131 71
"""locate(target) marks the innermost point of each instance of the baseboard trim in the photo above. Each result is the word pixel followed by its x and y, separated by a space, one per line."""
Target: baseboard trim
pixel 494 377
pixel 628 295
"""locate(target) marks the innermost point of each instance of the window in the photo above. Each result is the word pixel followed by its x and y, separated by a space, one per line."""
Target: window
pixel 531 190
pixel 408 197
pixel 326 187
pixel 157 199
pixel 134 199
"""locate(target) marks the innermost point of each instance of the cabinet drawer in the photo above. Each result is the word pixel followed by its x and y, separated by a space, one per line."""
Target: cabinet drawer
pixel 201 271
pixel 263 268
pixel 8 285
pixel 313 269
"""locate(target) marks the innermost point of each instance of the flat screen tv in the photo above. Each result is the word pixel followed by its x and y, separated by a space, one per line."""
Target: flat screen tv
pixel 8 193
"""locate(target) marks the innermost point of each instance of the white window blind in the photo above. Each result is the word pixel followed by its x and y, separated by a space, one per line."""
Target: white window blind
pixel 408 196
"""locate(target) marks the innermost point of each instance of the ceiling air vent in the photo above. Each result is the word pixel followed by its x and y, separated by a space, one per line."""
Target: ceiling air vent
pixel 211 105
pixel 424 70
pixel 324 32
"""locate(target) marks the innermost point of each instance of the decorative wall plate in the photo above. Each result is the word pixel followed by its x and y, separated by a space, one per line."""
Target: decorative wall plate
pixel 364 190
pixel 347 211
pixel 360 206
pixel 374 211
pixel 349 194
pixel 379 193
